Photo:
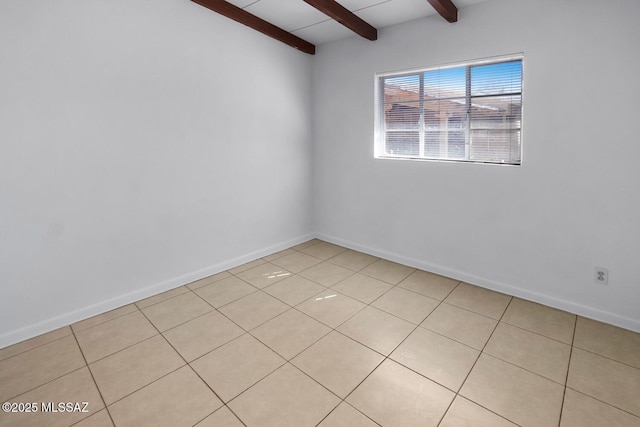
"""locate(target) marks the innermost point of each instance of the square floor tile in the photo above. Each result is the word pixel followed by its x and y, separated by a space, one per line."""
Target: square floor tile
pixel 99 419
pixel 77 386
pixel 202 334
pixel 353 260
pixel 429 284
pixel 179 399
pixel 363 288
pixel 128 370
pixel 32 343
pixel 293 290
pixel 104 317
pixel 377 330
pixel 290 333
pixel 331 307
pixel 543 320
pixel 223 417
pixel 605 379
pixel 508 358
pixel 306 244
pixel 387 271
pixel 395 396
pixel 346 415
pixel 285 398
pixel 460 325
pixel 405 304
pixel 225 291
pixel 112 336
pixel 246 266
pixel 278 254
pixel 438 358
pixel 177 310
pixel 254 310
pixel 147 302
pixel 533 352
pixel 209 279
pixel 338 363
pixel 482 301
pixel 580 410
pixel 323 250
pixel 326 273
pixel 37 366
pixel 514 393
pixel 609 341
pixel 464 413
pixel 236 366
pixel 264 274
pixel 296 261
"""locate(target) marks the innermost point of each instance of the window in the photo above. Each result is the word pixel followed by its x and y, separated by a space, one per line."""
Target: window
pixel 470 112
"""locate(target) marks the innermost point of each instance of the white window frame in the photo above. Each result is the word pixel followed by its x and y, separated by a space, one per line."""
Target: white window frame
pixel 379 119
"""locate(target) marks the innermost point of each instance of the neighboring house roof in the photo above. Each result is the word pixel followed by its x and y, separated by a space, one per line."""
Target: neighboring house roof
pixel 401 101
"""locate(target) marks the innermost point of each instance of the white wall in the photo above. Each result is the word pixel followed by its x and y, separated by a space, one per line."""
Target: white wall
pixel 137 153
pixel 143 144
pixel 536 231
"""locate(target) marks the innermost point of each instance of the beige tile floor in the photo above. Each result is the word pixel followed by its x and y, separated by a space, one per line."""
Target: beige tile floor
pixel 318 335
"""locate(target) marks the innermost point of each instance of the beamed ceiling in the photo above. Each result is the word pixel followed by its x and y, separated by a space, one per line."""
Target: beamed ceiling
pixel 303 24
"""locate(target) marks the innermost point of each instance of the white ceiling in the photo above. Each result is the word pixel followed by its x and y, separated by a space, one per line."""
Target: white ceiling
pixel 308 23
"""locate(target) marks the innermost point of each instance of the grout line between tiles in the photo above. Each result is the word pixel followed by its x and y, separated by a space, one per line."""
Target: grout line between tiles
pixel 34 348
pixel 475 363
pixel 344 321
pixel 235 300
pixel 354 408
pixel 93 378
pixel 106 321
pixel 536 333
pixel 262 323
pixel 245 331
pixel 566 378
pixel 332 285
pixel 198 316
pixel 386 357
pixel 146 385
pixel 305 348
pixel 607 357
pixel 224 405
pixel 260 379
pixel 351 269
pixel 341 400
pixel 159 378
pixel 604 403
pixel 190 320
pixel 43 384
pixel 168 298
pixel 187 364
pixel 524 369
pixel 264 377
pixel 234 414
pixel 331 329
pixel 92 415
pixel 483 407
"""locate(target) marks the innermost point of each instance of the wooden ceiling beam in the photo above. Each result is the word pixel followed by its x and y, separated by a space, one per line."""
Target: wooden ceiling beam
pixel 347 18
pixel 242 16
pixel 446 9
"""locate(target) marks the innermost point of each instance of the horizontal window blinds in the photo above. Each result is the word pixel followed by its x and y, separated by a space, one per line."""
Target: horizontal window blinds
pixel 465 113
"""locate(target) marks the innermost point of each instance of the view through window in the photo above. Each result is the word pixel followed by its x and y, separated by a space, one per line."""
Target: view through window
pixel 470 112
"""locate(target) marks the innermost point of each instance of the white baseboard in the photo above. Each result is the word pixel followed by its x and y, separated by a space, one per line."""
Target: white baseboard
pixel 551 301
pixel 51 324
pixel 65 319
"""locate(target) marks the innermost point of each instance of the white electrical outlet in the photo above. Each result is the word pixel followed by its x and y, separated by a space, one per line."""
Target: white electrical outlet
pixel 601 275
